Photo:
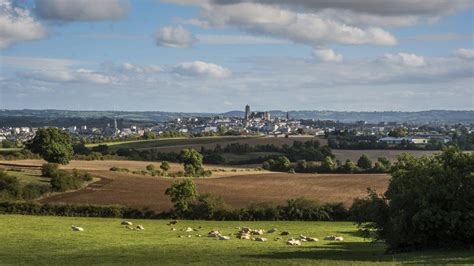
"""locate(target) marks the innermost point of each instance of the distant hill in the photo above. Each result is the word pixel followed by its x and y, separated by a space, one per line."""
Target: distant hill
pixel 65 118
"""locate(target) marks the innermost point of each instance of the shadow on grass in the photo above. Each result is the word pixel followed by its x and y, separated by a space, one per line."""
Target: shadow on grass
pixel 367 252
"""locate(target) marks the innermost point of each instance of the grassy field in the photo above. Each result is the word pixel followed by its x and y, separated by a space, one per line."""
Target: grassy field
pixel 50 240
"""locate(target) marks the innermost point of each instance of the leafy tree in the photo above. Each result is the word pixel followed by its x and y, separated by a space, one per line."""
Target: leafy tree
pixel 398 132
pixel 101 148
pixel 182 193
pixel 53 144
pixel 192 161
pixel 349 167
pixel 80 148
pixel 385 162
pixel 149 135
pixel 429 203
pixel 165 166
pixel 364 162
pixel 328 165
pixel 8 144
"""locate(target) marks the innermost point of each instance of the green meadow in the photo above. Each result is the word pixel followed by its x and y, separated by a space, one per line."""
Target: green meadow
pixel 50 240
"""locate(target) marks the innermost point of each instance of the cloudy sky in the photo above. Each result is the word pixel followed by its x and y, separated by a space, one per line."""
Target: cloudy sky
pixel 218 55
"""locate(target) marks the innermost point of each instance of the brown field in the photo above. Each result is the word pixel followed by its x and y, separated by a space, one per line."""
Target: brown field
pixel 277 141
pixel 354 155
pixel 238 189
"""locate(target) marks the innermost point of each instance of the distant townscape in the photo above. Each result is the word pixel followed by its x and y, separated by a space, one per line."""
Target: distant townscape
pixel 357 134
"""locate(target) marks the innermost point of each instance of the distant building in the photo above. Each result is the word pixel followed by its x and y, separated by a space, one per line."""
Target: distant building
pixel 247 112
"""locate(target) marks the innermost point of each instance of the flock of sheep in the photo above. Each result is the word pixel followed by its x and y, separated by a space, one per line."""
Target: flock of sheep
pixel 242 233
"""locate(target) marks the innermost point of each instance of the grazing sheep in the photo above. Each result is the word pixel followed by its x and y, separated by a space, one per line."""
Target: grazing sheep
pixel 261 239
pixel 257 232
pixel 312 239
pixel 189 229
pixel 243 235
pixel 339 238
pixel 140 227
pixel 293 242
pixel 224 238
pixel 129 227
pixel 214 233
pixel 77 228
pixel 329 238
pixel 173 229
pixel 285 233
pixel 126 223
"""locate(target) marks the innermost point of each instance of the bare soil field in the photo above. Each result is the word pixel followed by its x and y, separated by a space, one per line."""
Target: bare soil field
pixel 238 189
pixel 354 155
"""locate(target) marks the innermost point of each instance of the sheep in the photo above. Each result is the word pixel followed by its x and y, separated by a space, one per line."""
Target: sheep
pixel 126 223
pixel 285 233
pixel 257 232
pixel 224 237
pixel 189 229
pixel 140 227
pixel 339 238
pixel 261 239
pixel 129 227
pixel 273 230
pixel 312 239
pixel 293 242
pixel 77 228
pixel 329 238
pixel 214 233
pixel 173 222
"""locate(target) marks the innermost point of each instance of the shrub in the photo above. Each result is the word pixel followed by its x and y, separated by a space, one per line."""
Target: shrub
pixel 150 167
pixel 364 162
pixel 49 169
pixel 33 191
pixel 62 181
pixel 9 185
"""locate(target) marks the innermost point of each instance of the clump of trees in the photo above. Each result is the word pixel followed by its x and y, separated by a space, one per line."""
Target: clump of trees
pixel 53 144
pixel 193 163
pixel 182 193
pixel 429 203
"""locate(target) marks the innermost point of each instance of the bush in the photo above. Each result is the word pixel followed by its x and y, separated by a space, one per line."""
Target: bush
pixel 49 169
pixel 62 181
pixel 33 191
pixel 9 185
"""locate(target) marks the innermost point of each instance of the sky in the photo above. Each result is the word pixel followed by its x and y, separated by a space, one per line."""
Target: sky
pixel 219 55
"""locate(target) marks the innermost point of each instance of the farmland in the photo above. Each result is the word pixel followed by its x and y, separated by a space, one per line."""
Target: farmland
pixel 237 186
pixel 50 240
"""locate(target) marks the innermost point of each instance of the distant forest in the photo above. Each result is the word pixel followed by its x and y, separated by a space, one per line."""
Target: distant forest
pixel 64 118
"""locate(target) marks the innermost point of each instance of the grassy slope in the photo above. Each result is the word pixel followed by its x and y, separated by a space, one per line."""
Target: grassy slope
pixel 49 240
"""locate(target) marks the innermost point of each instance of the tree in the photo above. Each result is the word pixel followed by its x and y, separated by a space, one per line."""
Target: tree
pixel 398 132
pixel 53 144
pixel 182 193
pixel 429 203
pixel 149 135
pixel 192 161
pixel 8 144
pixel 349 167
pixel 165 166
pixel 385 162
pixel 364 162
pixel 328 165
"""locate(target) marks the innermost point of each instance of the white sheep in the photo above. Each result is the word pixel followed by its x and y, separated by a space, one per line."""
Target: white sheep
pixel 77 228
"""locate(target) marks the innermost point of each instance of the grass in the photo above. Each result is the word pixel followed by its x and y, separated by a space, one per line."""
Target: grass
pixel 50 240
pixel 27 177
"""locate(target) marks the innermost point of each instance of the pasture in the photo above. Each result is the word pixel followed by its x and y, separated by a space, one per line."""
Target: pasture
pixel 50 240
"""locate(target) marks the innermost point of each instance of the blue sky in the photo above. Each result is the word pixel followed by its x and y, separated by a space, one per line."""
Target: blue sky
pixel 218 55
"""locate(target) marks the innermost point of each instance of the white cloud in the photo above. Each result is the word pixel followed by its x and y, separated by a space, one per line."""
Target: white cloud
pixel 237 39
pixel 304 28
pixel 175 37
pixel 82 10
pixel 405 59
pixel 464 53
pixel 17 25
pixel 201 69
pixel 79 75
pixel 37 62
pixel 327 55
